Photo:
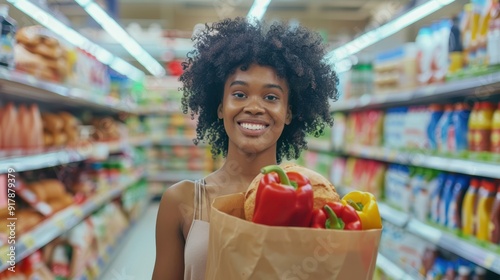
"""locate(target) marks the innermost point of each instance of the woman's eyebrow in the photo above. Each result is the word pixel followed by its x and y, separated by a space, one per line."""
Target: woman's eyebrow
pixel 243 83
pixel 238 82
pixel 274 86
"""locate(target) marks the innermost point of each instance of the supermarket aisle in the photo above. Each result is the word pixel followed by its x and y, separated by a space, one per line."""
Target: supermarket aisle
pixel 135 261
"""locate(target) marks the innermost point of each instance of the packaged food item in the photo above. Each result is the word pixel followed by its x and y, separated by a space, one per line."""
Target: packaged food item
pixel 7 37
pixel 436 113
pixel 495 219
pixel 471 135
pixel 469 208
pixel 455 209
pixel 487 193
pixel 495 131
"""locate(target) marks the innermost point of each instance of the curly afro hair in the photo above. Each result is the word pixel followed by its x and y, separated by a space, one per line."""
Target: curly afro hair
pixel 296 54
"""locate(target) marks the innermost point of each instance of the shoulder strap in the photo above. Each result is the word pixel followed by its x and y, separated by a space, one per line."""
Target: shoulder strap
pixel 199 196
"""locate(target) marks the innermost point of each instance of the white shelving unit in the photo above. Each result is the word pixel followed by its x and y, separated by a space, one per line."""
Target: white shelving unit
pixel 461 88
pixel 62 221
pixel 469 167
pixel 27 86
pixel 486 257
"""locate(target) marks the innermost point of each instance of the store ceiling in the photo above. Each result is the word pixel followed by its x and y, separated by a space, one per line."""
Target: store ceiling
pixel 338 20
pixel 334 17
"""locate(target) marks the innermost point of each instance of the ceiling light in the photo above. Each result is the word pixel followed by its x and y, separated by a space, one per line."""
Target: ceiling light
pixel 75 38
pixel 258 10
pixel 371 37
pixel 122 37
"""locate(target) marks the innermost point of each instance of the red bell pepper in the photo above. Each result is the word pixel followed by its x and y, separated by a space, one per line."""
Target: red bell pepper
pixel 336 215
pixel 283 199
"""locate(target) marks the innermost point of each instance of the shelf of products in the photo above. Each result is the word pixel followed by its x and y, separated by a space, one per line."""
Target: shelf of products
pixel 391 269
pixel 176 176
pixel 434 92
pixel 44 160
pixel 21 84
pixel 470 167
pixel 483 256
pixel 113 250
pixel 63 221
pixel 68 155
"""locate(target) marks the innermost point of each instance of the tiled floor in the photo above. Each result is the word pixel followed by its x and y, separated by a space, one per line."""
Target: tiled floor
pixel 135 259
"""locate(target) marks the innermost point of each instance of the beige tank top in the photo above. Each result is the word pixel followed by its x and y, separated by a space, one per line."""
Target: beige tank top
pixel 196 247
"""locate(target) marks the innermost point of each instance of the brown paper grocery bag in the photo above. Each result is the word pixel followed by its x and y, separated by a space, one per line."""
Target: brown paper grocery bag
pixel 241 250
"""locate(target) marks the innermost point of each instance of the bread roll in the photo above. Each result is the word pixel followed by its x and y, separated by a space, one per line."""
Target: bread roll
pixel 52 123
pixel 27 36
pixel 324 191
pixel 60 138
pixel 70 122
pixel 48 51
pixel 53 188
pixel 39 190
pixel 48 139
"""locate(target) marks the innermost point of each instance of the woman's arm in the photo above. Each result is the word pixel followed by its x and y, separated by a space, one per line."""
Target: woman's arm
pixel 169 264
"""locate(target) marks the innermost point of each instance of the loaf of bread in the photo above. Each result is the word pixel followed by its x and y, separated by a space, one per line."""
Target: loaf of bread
pixel 324 191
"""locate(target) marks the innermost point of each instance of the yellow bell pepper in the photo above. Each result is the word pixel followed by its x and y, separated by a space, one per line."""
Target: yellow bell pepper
pixel 367 208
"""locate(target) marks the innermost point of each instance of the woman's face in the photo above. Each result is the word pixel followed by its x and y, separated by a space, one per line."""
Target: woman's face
pixel 254 109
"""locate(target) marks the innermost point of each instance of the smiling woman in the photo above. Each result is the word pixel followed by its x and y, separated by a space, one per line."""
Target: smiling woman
pixel 258 91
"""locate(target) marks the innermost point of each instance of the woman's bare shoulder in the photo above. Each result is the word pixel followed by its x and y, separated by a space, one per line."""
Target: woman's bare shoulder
pixel 178 199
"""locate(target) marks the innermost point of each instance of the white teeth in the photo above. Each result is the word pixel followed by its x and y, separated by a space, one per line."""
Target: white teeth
pixel 253 126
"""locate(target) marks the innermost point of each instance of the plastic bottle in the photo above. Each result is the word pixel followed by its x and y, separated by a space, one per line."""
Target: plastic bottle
pixel 469 208
pixel 479 273
pixel 495 131
pixel 474 31
pixel 436 197
pixel 495 219
pixel 7 37
pixel 482 136
pixel 446 198
pixel 444 129
pixel 455 205
pixel 473 126
pixel 455 48
pixel 425 47
pixel 436 113
pixel 487 193
pixel 463 272
pixel 442 50
pixel 461 117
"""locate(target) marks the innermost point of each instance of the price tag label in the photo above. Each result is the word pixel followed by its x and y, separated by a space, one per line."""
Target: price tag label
pixel 79 212
pixel 59 223
pixel 4 258
pixel 29 242
pixel 489 260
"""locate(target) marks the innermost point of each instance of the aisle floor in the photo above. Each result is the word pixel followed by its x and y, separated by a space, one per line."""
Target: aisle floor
pixel 135 260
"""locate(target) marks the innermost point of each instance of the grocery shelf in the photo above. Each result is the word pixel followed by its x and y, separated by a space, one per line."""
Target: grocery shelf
pixel 43 160
pixel 65 156
pixel 470 87
pixel 176 176
pixel 446 240
pixel 166 109
pixel 177 141
pixel 114 250
pixel 391 269
pixel 464 166
pixel 62 221
pixel 459 246
pixel 319 145
pixel 23 85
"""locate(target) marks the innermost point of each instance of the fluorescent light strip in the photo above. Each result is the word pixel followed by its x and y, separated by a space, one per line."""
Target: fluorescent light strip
pixel 386 30
pixel 76 39
pixel 122 37
pixel 258 10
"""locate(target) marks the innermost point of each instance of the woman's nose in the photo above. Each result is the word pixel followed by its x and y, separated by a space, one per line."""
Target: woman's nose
pixel 254 106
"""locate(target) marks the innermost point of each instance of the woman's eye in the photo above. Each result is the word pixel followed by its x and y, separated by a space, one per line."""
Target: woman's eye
pixel 239 95
pixel 271 97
